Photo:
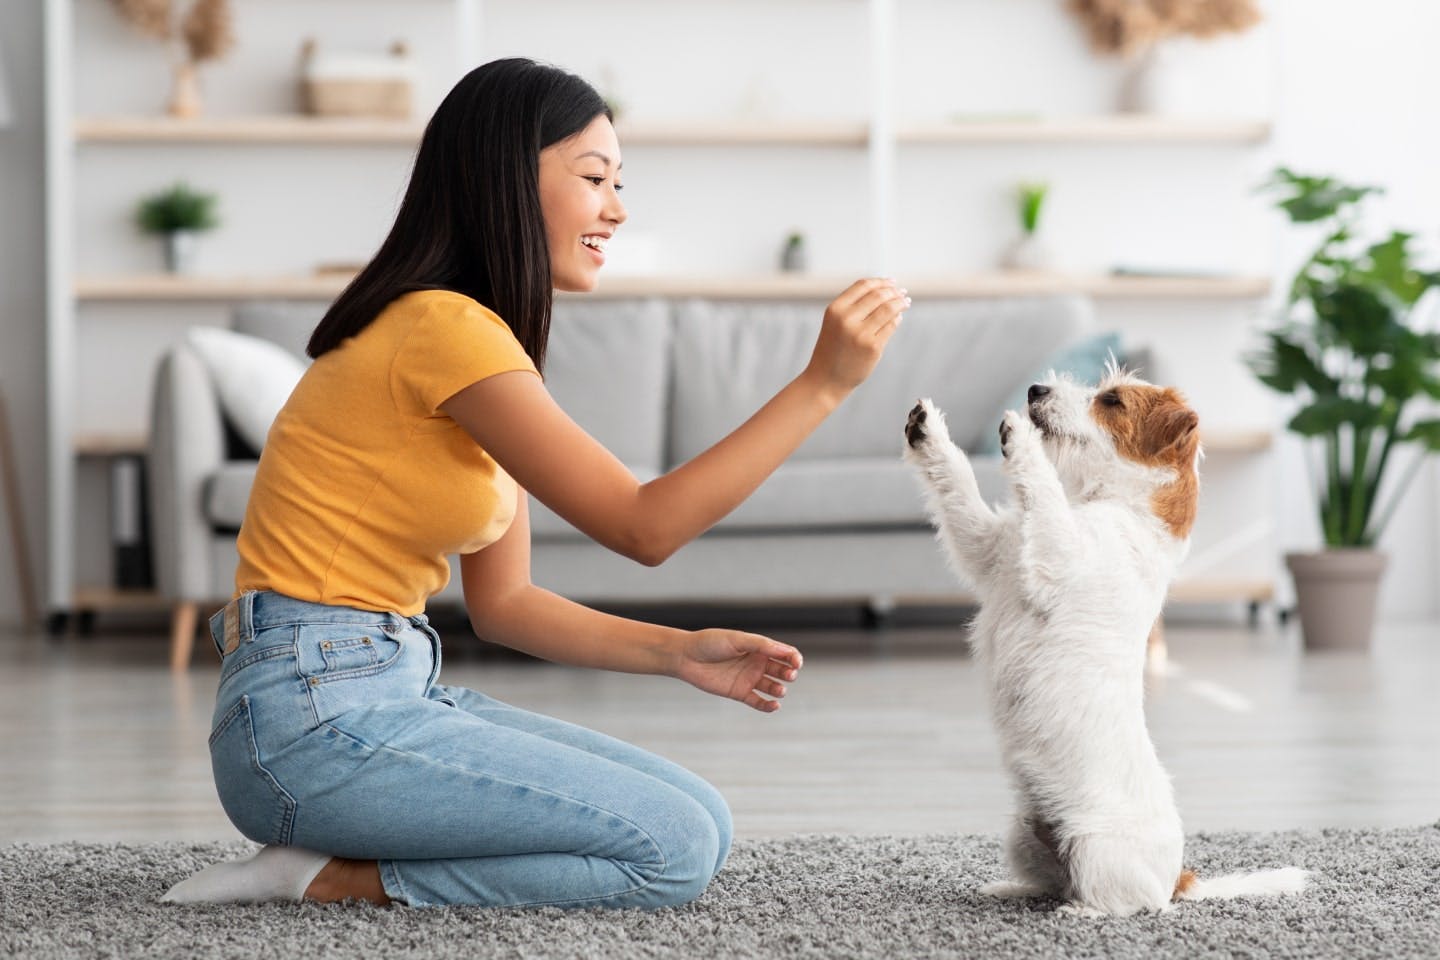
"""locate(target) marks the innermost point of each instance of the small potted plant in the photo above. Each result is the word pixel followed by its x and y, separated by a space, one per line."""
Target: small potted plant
pixel 178 214
pixel 1350 356
pixel 1028 251
pixel 792 254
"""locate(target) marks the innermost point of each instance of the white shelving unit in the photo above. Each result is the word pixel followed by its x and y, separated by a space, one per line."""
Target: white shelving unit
pixel 879 139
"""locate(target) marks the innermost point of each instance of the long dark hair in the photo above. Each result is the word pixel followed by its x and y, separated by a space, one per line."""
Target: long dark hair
pixel 471 221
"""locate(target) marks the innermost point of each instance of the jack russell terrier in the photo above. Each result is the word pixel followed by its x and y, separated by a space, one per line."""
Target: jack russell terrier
pixel 1071 577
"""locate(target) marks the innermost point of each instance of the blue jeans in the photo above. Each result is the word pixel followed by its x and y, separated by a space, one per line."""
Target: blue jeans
pixel 331 733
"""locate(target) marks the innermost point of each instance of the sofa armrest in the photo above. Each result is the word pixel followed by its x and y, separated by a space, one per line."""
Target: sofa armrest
pixel 187 445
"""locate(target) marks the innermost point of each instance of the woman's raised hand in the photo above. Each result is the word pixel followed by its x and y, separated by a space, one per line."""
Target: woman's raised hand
pixel 857 325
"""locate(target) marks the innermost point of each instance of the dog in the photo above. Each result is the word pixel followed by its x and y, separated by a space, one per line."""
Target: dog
pixel 1071 578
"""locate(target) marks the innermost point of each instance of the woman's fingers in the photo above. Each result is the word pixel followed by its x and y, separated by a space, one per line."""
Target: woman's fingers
pixel 858 289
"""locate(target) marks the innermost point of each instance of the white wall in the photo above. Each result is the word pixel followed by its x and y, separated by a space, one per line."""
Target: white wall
pixel 726 211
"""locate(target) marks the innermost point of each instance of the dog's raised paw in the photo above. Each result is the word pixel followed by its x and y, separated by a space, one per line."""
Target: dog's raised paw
pixel 1015 429
pixel 915 424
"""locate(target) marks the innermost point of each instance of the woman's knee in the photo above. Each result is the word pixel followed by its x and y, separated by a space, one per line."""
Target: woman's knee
pixel 690 852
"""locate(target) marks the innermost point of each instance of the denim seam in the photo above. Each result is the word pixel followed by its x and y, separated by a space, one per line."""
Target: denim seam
pixel 269 653
pixel 659 851
pixel 242 705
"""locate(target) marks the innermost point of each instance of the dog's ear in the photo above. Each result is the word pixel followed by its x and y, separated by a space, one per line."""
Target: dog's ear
pixel 1179 434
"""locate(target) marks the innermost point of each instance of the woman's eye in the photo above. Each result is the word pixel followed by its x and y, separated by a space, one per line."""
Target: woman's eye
pixel 596 180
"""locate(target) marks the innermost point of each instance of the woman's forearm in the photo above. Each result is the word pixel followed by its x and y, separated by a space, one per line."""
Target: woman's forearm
pixel 533 620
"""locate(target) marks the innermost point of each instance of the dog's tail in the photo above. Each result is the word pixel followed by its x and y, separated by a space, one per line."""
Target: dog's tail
pixel 1261 883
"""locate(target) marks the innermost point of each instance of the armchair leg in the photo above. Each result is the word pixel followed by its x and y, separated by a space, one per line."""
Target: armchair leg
pixel 182 634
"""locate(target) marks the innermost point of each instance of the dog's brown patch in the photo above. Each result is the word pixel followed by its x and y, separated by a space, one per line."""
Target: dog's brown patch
pixel 1183 883
pixel 1154 426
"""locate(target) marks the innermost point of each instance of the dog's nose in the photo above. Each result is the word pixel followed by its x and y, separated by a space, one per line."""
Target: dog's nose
pixel 1037 391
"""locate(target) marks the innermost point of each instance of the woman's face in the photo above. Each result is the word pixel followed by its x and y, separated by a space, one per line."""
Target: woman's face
pixel 579 198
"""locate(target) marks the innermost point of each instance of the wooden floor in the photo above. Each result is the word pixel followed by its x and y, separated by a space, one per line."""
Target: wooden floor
pixel 886 732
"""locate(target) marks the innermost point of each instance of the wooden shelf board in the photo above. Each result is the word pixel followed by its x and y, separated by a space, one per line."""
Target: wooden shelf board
pixel 1222 590
pixel 296 128
pixel 1230 440
pixel 112 598
pixel 1119 128
pixel 109 444
pixel 303 129
pixel 152 287
pixel 837 133
pixel 162 287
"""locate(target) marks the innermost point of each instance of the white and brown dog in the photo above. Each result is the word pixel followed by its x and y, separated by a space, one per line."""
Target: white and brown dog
pixel 1070 578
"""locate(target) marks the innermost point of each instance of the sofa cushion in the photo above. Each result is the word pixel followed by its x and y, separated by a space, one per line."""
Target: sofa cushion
pixel 285 323
pixel 1085 360
pixel 226 492
pixel 253 378
pixel 847 493
pixel 608 366
pixel 731 357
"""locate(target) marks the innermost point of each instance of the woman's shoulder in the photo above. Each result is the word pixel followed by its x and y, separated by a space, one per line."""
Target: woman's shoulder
pixel 420 303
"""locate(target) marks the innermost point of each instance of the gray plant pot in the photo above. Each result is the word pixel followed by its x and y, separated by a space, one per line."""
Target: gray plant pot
pixel 1336 591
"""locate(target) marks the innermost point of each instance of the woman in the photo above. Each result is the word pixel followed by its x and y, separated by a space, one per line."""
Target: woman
pixel 415 434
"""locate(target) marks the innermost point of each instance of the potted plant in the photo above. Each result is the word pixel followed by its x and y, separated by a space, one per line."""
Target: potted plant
pixel 1028 251
pixel 177 214
pixel 1354 362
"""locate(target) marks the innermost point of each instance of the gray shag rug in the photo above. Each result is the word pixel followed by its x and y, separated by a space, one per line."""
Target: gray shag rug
pixel 1375 893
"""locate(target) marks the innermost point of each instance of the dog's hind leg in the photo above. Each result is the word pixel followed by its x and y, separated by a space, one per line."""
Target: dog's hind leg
pixel 966 523
pixel 1034 861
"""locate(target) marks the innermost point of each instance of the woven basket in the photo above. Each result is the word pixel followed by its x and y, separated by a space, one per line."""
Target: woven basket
pixel 359 97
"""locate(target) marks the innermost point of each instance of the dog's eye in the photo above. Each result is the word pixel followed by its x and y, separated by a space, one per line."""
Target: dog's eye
pixel 1111 399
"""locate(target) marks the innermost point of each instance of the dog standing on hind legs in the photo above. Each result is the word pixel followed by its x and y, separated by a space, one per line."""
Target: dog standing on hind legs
pixel 1070 579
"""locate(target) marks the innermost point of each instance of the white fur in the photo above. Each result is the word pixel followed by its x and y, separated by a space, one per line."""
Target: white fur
pixel 1070 579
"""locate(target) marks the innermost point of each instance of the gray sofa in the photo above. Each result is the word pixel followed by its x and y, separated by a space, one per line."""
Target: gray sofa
pixel 657 381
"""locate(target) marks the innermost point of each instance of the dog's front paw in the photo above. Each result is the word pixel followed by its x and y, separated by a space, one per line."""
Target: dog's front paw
pixel 925 424
pixel 1016 433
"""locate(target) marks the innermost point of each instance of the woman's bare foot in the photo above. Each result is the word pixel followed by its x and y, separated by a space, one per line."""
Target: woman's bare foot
pixel 342 879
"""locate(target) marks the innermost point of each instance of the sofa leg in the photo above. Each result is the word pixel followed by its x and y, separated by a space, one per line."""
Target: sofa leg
pixel 182 634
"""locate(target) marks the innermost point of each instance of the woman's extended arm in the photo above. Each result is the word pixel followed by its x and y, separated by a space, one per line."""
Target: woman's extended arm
pixel 506 608
pixel 514 418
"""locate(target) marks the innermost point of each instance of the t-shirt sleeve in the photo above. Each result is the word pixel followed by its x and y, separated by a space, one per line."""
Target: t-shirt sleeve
pixel 453 343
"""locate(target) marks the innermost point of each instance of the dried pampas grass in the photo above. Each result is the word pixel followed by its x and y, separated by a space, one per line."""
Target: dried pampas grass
pixel 207 28
pixel 1123 27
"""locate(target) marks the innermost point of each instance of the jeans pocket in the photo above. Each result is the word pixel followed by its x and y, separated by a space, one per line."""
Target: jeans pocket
pixel 253 799
pixel 339 651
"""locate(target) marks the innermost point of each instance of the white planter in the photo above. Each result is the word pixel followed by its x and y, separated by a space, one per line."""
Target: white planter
pixel 180 251
pixel 1028 252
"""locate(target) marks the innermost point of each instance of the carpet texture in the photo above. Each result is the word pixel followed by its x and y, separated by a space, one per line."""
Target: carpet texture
pixel 1376 893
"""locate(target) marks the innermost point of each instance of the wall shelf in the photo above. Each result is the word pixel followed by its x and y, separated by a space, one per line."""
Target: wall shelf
pixel 1118 128
pixel 166 287
pixel 278 129
pixel 303 129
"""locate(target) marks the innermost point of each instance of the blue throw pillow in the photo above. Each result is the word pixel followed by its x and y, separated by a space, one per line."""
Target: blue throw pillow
pixel 1084 360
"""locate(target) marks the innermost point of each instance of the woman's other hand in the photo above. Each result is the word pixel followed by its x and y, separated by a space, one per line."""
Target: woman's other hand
pixel 856 327
pixel 742 666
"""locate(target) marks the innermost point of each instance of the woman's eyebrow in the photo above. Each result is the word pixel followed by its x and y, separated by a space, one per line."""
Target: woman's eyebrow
pixel 597 153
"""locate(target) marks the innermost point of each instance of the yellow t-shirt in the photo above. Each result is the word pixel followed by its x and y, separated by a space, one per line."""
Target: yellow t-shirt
pixel 364 486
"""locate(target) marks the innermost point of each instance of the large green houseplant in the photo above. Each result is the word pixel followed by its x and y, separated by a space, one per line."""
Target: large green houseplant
pixel 1349 353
